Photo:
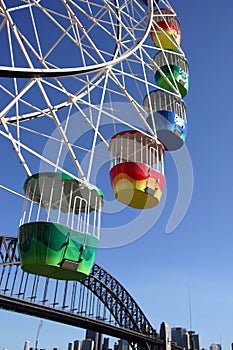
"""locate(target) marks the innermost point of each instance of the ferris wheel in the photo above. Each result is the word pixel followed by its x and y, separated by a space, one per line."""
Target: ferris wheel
pixel 47 39
pixel 74 75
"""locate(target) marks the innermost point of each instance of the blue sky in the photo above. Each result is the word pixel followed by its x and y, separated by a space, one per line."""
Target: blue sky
pixel 159 269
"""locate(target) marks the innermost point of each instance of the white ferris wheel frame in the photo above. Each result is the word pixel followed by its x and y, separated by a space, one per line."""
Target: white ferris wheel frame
pixel 103 72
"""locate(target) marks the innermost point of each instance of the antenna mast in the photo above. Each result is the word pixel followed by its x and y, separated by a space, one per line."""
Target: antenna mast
pixel 190 313
pixel 38 332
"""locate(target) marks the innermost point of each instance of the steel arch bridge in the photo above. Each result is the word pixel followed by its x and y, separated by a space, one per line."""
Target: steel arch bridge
pixel 99 303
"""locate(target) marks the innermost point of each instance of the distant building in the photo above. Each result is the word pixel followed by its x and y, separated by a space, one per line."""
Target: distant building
pixel 121 345
pixel 194 340
pixel 71 346
pixel 215 347
pixel 188 340
pixel 105 345
pixel 88 344
pixel 177 336
pixel 96 337
pixel 27 345
pixel 165 336
pixel 77 345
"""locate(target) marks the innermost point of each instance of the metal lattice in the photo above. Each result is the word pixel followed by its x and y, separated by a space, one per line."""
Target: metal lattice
pixel 98 302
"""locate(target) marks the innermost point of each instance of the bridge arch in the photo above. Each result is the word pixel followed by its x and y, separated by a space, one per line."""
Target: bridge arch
pixel 98 302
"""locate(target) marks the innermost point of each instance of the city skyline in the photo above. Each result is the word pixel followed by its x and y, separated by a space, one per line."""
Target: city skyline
pixel 184 338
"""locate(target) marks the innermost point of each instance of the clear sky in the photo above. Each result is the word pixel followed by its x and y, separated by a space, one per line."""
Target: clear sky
pixel 159 269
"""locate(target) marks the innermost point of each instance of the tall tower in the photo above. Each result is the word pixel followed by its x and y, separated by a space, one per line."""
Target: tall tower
pixel 123 345
pixel 77 345
pixel 96 337
pixel 105 345
pixel 88 344
pixel 188 340
pixel 71 346
pixel 215 347
pixel 178 336
pixel 27 345
pixel 194 340
pixel 165 335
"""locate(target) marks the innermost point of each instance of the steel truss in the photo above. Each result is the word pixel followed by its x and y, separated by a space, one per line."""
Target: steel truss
pixel 99 303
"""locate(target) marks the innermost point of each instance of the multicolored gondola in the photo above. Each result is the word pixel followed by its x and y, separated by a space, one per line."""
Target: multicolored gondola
pixel 165 31
pixel 137 173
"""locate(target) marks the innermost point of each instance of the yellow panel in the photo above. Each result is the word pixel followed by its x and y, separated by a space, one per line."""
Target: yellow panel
pixel 168 43
pixel 135 195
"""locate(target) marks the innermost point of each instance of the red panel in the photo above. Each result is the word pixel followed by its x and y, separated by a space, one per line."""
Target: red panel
pixel 165 26
pixel 136 171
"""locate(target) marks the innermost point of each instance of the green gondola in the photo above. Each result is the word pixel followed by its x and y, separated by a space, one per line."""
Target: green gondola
pixel 175 72
pixel 60 226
